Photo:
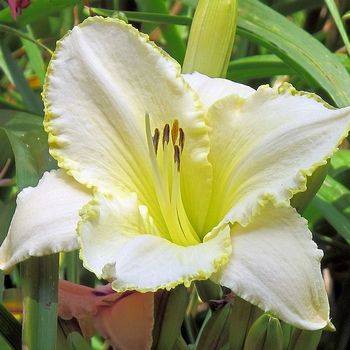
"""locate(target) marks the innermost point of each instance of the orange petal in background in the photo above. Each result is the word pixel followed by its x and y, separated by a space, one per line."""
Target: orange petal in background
pixel 124 319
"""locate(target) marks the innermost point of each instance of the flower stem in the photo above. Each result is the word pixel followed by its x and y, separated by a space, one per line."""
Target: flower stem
pixel 39 288
pixel 72 264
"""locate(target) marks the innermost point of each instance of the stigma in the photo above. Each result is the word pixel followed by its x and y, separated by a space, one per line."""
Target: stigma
pixel 165 149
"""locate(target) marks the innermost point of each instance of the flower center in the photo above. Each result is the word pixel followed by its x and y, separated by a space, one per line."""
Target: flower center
pixel 165 150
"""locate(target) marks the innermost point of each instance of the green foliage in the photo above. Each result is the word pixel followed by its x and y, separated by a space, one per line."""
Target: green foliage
pixel 295 47
pixel 28 141
pixel 170 312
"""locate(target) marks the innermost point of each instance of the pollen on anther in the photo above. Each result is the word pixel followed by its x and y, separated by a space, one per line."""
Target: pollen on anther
pixel 166 133
pixel 177 156
pixel 155 140
pixel 175 131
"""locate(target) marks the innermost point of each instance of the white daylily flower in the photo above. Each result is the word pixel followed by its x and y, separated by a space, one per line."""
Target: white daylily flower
pixel 190 177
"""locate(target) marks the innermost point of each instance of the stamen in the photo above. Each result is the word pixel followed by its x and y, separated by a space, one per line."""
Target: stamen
pixel 175 131
pixel 182 139
pixel 177 157
pixel 166 132
pixel 155 140
pixel 166 176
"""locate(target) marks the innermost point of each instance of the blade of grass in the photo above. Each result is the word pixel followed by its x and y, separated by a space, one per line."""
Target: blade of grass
pixel 340 162
pixel 295 47
pixel 10 328
pixel 34 55
pixel 26 37
pixel 147 17
pixel 29 145
pixel 175 45
pixel 214 333
pixel 30 99
pixel 333 201
pixel 259 66
pixel 333 9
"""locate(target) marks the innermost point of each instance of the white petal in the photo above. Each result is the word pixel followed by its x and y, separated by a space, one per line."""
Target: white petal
pixel 102 80
pixel 276 266
pixel 119 244
pixel 263 147
pixel 212 89
pixel 45 219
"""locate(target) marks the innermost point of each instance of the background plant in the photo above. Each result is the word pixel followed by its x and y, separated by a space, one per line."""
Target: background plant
pixel 300 41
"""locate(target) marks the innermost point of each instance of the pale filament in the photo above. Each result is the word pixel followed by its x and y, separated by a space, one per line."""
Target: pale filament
pixel 165 150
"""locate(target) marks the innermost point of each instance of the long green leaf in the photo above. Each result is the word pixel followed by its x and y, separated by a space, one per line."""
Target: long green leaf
pixel 340 162
pixel 34 55
pixel 174 43
pixel 145 17
pixel 333 201
pixel 10 328
pixel 24 36
pixel 333 9
pixel 295 47
pixel 29 145
pixel 215 333
pixel 303 339
pixel 243 315
pixel 259 66
pixel 10 66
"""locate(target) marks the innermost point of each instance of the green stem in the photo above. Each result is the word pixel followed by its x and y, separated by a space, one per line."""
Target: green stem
pixel 39 288
pixel 72 264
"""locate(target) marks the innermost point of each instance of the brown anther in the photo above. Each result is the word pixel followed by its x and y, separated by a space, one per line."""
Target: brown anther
pixel 166 132
pixel 175 131
pixel 177 156
pixel 181 139
pixel 155 140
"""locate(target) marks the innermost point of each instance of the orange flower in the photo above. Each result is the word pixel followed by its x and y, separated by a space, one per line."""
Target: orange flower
pixel 124 319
